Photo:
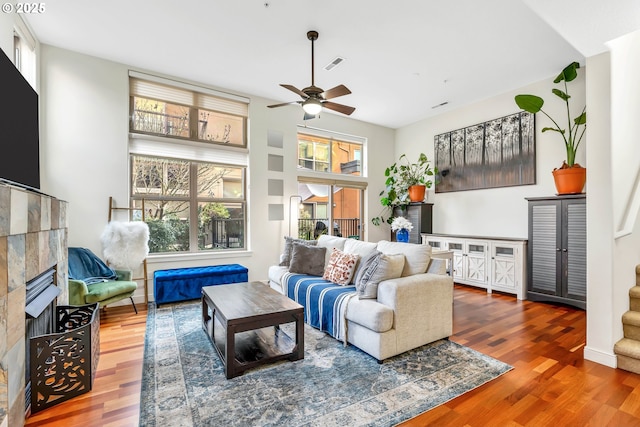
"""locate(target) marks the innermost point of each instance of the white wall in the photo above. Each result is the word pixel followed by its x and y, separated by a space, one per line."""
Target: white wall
pixel 85 160
pixel 600 243
pixel 625 195
pixel 498 212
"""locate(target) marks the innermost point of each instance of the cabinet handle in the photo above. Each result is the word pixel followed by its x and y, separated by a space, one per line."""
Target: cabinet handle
pixel 564 250
pixel 557 249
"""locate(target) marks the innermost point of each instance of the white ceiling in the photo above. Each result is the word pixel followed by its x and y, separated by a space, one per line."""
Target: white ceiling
pixel 402 57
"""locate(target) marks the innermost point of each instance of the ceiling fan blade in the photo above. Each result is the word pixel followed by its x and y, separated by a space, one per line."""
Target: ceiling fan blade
pixel 335 92
pixel 344 109
pixel 282 105
pixel 295 90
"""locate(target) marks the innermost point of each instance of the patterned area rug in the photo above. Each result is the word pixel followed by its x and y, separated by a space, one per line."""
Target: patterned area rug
pixel 183 381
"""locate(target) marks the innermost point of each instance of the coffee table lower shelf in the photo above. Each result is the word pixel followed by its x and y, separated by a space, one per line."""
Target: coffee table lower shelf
pixel 246 342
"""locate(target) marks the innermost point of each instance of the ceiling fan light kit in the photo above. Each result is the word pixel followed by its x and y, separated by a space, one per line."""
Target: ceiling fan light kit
pixel 315 98
pixel 312 106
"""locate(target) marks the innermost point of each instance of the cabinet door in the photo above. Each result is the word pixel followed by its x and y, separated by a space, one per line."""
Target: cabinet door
pixel 458 258
pixel 544 247
pixel 475 263
pixel 574 250
pixel 503 266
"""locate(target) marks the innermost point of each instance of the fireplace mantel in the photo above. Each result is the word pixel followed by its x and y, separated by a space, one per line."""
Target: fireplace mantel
pixel 33 239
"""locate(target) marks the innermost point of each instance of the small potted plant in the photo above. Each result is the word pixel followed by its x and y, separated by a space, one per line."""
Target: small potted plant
pixel 570 177
pixel 406 182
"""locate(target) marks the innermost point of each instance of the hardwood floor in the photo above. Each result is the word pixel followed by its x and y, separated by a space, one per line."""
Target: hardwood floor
pixel 551 384
pixel 115 397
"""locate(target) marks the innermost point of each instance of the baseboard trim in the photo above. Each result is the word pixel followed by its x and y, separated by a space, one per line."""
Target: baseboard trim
pixel 601 357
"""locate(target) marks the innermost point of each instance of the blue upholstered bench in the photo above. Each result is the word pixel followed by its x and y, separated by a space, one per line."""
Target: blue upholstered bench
pixel 182 284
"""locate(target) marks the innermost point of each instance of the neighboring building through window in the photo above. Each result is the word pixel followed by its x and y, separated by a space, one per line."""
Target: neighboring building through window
pixel 329 154
pixel 330 203
pixel 185 178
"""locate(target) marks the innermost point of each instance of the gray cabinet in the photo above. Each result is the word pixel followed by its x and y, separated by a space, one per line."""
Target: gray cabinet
pixel 557 256
pixel 420 215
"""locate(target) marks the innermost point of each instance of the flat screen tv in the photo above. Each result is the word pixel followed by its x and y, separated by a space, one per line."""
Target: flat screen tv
pixel 19 135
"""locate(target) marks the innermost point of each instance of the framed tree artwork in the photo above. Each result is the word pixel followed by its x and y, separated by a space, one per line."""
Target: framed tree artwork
pixel 497 153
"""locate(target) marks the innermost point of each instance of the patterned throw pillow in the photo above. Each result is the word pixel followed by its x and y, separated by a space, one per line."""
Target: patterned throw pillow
pixel 340 268
pixel 285 258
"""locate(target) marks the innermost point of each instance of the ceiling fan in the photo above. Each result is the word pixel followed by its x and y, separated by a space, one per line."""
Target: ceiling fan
pixel 315 98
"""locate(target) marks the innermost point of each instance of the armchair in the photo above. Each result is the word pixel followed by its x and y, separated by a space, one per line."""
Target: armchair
pixel 92 281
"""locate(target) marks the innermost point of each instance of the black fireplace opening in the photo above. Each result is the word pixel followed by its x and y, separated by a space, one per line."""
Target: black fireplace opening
pixel 40 308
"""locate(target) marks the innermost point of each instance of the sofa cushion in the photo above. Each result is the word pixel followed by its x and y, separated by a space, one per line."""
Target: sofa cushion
pixel 307 259
pixel 340 268
pixel 330 242
pixel 375 269
pixel 285 258
pixel 276 272
pixel 359 247
pixel 370 314
pixel 416 256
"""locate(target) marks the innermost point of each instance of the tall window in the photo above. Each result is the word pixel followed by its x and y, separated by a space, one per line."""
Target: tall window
pixel 188 166
pixel 330 202
pixel 24 52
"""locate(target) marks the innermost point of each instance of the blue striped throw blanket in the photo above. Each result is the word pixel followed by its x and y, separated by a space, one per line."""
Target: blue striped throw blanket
pixel 324 302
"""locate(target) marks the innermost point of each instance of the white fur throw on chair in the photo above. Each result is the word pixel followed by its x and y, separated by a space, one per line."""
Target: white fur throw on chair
pixel 125 244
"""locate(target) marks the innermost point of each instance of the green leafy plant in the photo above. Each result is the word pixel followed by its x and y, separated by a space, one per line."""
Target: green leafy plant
pixel 399 177
pixel 573 134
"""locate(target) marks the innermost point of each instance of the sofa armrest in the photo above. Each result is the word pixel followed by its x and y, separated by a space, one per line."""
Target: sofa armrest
pixel 422 305
pixel 77 292
pixel 124 275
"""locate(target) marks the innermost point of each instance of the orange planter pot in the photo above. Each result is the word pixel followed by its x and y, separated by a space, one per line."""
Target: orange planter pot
pixel 570 180
pixel 416 193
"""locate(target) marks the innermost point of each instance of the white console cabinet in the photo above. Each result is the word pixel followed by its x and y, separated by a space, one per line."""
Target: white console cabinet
pixel 494 264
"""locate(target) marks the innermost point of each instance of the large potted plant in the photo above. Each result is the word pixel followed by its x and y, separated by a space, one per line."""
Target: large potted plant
pixel 571 176
pixel 405 182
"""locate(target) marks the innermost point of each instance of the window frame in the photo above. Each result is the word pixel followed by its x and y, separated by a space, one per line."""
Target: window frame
pixel 195 152
pixel 192 97
pixel 332 179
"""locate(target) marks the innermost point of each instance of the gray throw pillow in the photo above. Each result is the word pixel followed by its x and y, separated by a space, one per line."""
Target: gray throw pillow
pixel 307 260
pixel 288 247
pixel 376 269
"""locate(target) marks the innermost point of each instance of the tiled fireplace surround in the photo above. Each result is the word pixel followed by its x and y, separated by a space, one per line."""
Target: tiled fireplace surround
pixel 33 238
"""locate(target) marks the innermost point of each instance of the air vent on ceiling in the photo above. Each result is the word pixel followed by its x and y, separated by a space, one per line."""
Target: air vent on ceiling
pixel 331 65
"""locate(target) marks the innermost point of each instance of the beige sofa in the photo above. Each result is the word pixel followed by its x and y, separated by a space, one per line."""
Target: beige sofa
pixel 409 311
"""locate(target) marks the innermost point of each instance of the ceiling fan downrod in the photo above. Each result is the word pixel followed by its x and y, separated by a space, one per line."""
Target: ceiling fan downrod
pixel 313 36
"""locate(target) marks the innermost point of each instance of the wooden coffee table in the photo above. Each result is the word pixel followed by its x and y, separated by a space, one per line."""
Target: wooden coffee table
pixel 243 320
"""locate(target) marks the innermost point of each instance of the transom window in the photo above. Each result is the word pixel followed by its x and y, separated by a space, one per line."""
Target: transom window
pixel 328 154
pixel 159 109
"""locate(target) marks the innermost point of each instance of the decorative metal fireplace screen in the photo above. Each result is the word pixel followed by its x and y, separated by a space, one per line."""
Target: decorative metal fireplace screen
pixel 63 364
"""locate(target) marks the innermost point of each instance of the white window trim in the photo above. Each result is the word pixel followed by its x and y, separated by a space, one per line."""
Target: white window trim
pixel 150 145
pixel 188 86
